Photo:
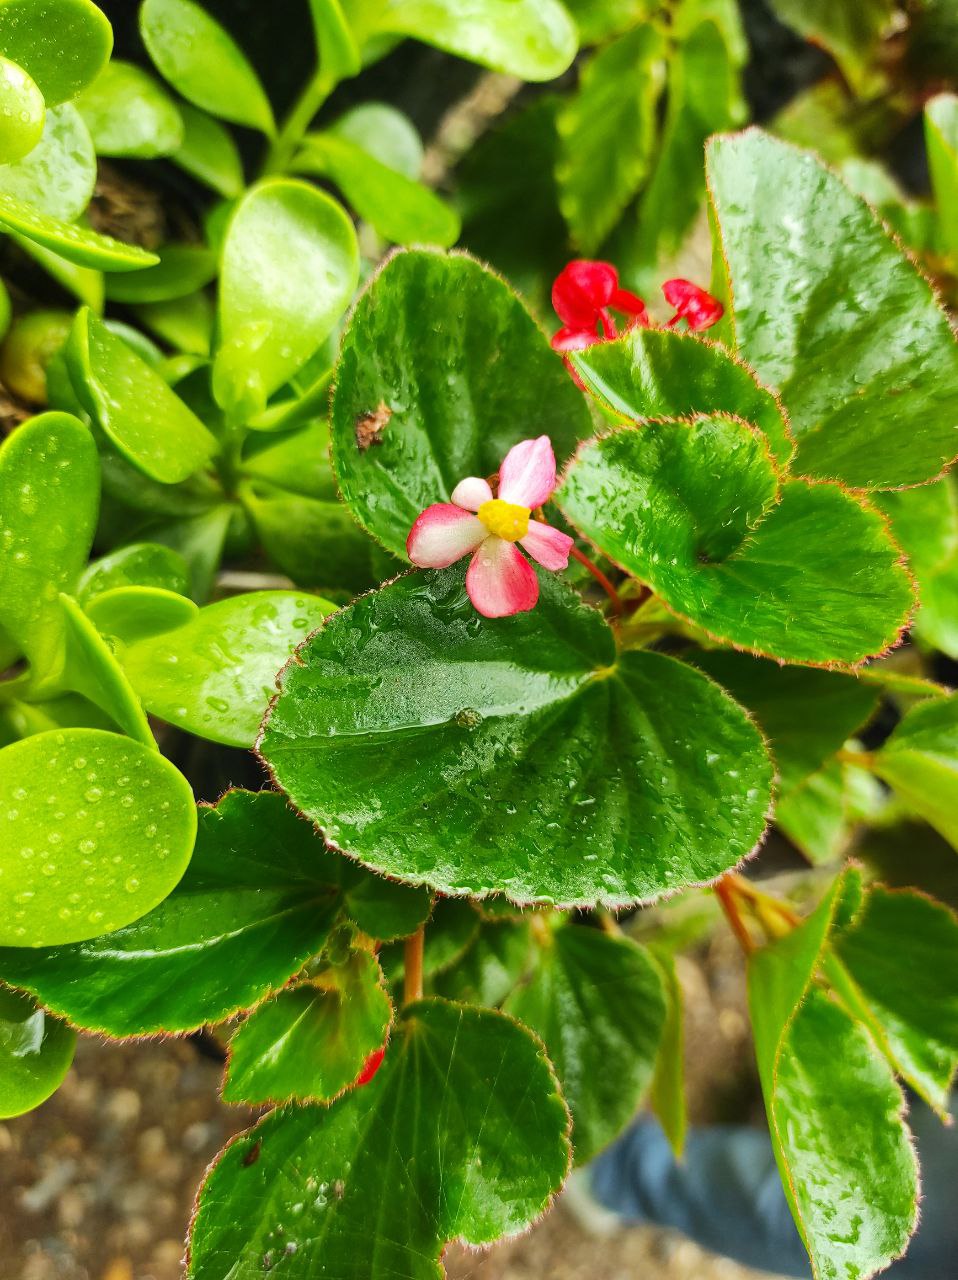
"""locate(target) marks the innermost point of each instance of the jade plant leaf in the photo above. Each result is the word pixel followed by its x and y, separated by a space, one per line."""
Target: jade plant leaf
pixel 649 374
pixel 532 39
pixel 383 133
pixel 901 955
pixel 310 1041
pixel 258 899
pixel 597 1003
pixel 419 406
pixel 607 133
pixel 36 1051
pixel 487 1164
pixel 76 244
pixel 138 564
pixel 290 264
pixel 97 829
pixel 203 62
pixel 941 140
pixel 920 761
pixel 208 152
pixel 91 669
pixel 694 509
pixel 129 114
pixel 831 313
pixel 49 496
pixel 519 755
pixel 62 44
pixel 59 174
pixel 215 675
pixel 834 1109
pixel 338 53
pixel 129 614
pixel 147 421
pixel 22 112
pixel 402 211
pixel 182 269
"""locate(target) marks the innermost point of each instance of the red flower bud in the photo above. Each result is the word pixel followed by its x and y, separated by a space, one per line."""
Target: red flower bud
pixel 693 305
pixel 371 1066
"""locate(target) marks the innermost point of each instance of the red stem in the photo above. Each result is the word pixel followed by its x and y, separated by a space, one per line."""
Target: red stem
pixel 725 893
pixel 607 586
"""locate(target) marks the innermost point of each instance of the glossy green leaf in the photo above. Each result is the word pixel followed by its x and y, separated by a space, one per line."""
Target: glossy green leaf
pixel 829 312
pixel 690 508
pixel 490 967
pixel 49 495
pixel 59 174
pixel 310 1042
pixel 90 668
pixel 850 32
pixel 139 564
pixel 182 269
pixel 215 675
pixel 22 112
pixel 834 1110
pixel 820 814
pixel 84 283
pixel 35 1054
pixel 599 20
pixel 518 755
pixel 920 761
pixel 183 323
pixel 779 698
pixel 901 955
pixel 130 614
pixel 338 54
pixel 129 113
pixel 487 1164
pixel 532 39
pixel 597 1003
pixel 383 133
pixel 658 373
pixel 203 62
pixel 96 830
pixel 418 407
pixel 607 132
pixel 941 140
pixel 667 1094
pixel 208 152
pixel 76 244
pixel 147 422
pixel 290 266
pixel 401 210
pixel 62 44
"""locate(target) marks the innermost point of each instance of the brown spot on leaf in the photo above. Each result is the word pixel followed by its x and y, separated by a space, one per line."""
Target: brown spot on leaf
pixel 370 426
pixel 253 1154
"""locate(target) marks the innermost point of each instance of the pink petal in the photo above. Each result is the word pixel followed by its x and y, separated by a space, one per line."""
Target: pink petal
pixel 500 581
pixel 699 309
pixel 549 546
pixel 528 473
pixel 471 493
pixel 581 289
pixel 442 535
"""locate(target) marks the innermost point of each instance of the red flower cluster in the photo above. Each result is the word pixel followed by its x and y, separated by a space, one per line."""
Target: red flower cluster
pixel 586 293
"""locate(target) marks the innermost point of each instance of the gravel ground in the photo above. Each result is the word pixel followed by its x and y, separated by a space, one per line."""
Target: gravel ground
pixel 98 1183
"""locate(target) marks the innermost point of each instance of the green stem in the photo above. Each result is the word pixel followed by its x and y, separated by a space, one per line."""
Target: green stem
pixel 283 147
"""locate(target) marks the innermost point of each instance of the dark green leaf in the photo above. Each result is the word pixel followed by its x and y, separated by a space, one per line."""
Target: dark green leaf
pixel 417 407
pixel 62 44
pixel 828 311
pixel 310 1042
pixel 486 1164
pixel 129 114
pixel 694 510
pixel 58 175
pixel 597 1003
pixel 97 830
pixel 490 967
pixel 518 755
pixel 35 1054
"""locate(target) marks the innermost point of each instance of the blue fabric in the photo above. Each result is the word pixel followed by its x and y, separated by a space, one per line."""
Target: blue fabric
pixel 727 1196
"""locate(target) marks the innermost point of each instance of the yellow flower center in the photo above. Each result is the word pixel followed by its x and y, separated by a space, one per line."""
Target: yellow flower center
pixel 505 519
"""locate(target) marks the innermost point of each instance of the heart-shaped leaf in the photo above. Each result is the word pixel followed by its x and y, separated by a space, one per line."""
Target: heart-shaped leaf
pixel 597 1003
pixel 419 406
pixel 204 63
pixel 22 112
pixel 208 152
pixel 290 266
pixel 690 508
pixel 215 675
pixel 35 1054
pixel 310 1041
pixel 129 114
pixel 830 313
pixel 146 420
pixel 62 44
pixel 258 899
pixel 49 496
pixel 487 1164
pixel 96 830
pixel 491 966
pixel 59 174
pixel 920 760
pixel 649 374
pixel 76 244
pixel 518 755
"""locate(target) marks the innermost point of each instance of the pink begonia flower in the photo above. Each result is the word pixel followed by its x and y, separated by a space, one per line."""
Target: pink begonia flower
pixel 500 581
